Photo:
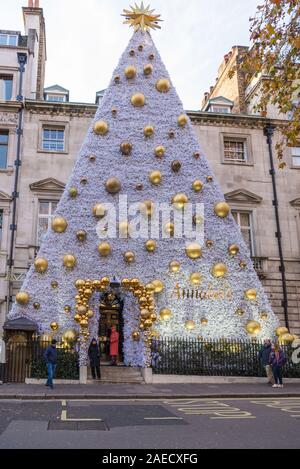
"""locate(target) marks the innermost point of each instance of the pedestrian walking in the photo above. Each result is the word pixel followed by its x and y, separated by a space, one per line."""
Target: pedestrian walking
pixel 277 359
pixel 94 357
pixel 264 358
pixel 114 346
pixel 51 362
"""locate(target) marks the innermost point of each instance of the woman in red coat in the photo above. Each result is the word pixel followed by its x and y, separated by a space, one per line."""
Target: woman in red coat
pixel 114 346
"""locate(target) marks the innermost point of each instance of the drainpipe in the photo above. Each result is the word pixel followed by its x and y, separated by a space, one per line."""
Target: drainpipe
pixel 22 60
pixel 269 132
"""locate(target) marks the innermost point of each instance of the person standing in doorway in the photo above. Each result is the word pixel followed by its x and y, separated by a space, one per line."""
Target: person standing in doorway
pixel 114 346
pixel 277 359
pixel 264 358
pixel 94 357
pixel 51 362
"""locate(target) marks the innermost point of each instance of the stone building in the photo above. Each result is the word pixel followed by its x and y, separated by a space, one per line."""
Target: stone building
pixel 41 133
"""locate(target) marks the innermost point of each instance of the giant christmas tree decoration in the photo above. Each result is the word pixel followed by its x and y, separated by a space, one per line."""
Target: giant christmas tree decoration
pixel 141 145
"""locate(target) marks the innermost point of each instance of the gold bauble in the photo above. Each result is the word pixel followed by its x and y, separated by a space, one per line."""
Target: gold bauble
pixel 209 243
pixel 139 187
pixel 148 69
pixel 153 317
pixel 233 249
pixel 22 298
pixel 190 325
pixel 179 201
pixel 134 282
pixel 90 314
pixel 195 278
pixel 99 211
pixel 84 180
pixel 82 310
pixel 286 338
pixel 92 158
pixel 84 323
pixel 222 209
pixel 155 178
pixel 117 79
pixel 169 228
pixel 165 314
pixel 135 336
pixel 160 151
pixel 130 72
pixel 69 335
pixel 148 130
pixel 182 120
pixel 129 257
pixel 147 208
pixel 126 148
pixel 150 245
pixel 219 270
pixel 145 313
pixel 264 315
pixel 54 326
pixel 197 186
pixel 204 321
pixel 67 309
pixel 141 48
pixel 198 219
pixel 251 294
pixel 243 265
pixel 41 265
pixel 281 330
pixel 194 251
pixel 174 266
pixel 240 312
pixel 163 85
pixel 148 323
pixel 113 185
pixel 77 318
pixel 253 327
pixel 176 166
pixel 143 301
pixel 138 100
pixel 81 235
pixel 59 224
pixel 171 134
pixel 196 155
pixel 73 192
pixel 79 283
pixel 37 306
pixel 101 128
pixel 125 283
pixel 105 282
pixel 104 249
pixel 158 286
pixel 69 261
pixel 114 112
pixel 54 284
pixel 132 52
pixel 151 57
pixel 210 179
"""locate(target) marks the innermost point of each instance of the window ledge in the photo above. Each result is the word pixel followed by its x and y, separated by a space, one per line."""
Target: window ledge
pixel 8 171
pixel 238 163
pixel 295 167
pixel 53 152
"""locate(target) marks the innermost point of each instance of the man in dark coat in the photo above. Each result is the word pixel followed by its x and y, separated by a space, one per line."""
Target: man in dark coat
pixel 51 362
pixel 94 357
pixel 264 358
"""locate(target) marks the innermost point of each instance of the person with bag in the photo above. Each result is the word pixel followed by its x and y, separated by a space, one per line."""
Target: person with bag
pixel 277 360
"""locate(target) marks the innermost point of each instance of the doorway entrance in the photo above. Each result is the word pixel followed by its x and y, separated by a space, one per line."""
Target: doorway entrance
pixel 111 314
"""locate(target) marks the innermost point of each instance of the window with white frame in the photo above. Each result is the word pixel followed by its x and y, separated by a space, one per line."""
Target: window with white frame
pixel 6 87
pixel 221 109
pixel 235 149
pixel 46 211
pixel 8 39
pixel 296 156
pixel 58 98
pixel 3 148
pixel 53 139
pixel 244 220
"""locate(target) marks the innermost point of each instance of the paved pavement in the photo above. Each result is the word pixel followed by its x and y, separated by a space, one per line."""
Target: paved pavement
pixel 150 424
pixel 120 391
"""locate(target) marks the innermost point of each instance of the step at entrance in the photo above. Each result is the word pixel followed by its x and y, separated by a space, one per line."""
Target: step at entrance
pixel 119 374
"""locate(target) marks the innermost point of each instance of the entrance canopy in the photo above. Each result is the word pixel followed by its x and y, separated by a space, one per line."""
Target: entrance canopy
pixel 20 324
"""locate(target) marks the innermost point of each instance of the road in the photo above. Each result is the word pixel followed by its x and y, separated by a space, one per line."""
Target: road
pixel 148 424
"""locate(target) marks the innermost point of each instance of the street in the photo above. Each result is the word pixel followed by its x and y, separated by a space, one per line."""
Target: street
pixel 148 424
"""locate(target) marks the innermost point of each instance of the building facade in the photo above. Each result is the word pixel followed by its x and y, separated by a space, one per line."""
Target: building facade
pixel 41 133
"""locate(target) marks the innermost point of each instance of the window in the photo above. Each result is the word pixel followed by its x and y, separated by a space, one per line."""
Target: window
pixel 56 98
pixel 53 139
pixel 1 223
pixel 244 220
pixel 222 109
pixel 8 39
pixel 46 211
pixel 6 84
pixel 235 150
pixel 296 156
pixel 3 148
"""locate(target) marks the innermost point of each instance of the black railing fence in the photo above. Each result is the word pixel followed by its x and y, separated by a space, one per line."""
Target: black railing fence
pixel 177 356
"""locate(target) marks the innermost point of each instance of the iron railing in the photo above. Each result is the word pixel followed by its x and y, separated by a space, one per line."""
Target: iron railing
pixel 178 356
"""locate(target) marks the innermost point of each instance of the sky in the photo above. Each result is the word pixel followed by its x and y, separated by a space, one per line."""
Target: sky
pixel 85 39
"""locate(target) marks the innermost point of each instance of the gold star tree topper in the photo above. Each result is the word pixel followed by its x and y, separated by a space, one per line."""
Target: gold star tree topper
pixel 141 18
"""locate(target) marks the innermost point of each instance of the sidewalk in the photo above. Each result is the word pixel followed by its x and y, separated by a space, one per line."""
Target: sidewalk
pixel 146 391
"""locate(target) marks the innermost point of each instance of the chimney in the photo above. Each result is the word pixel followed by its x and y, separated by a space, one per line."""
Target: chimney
pixel 211 89
pixel 30 3
pixel 226 58
pixel 36 3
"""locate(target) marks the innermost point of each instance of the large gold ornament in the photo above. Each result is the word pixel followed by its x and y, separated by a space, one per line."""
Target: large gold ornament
pixel 197 186
pixel 179 201
pixel 253 327
pixel 160 151
pixel 148 130
pixel 81 235
pixel 222 209
pixel 59 224
pixel 113 186
pixel 141 18
pixel 286 338
pixel 155 178
pixel 22 298
pixel 251 294
pixel 148 69
pixel 129 257
pixel 150 245
pixel 54 326
pixel 174 267
pixel 99 211
pixel 41 265
pixel 190 325
pixel 195 278
pixel 163 85
pixel 69 261
pixel 182 120
pixel 281 330
pixel 138 100
pixel 69 335
pixel 194 251
pixel 126 148
pixel 158 286
pixel 101 128
pixel 165 314
pixel 79 283
pixel 104 249
pixel 130 72
pixel 219 270
pixel 233 249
